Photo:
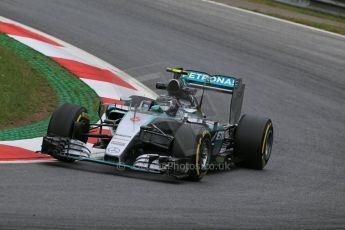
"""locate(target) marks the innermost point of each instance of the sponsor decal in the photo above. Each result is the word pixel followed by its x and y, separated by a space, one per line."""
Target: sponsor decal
pixel 216 80
pixel 117 143
pixel 114 150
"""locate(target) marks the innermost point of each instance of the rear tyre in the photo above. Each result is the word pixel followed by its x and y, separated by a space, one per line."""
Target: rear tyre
pixel 69 120
pixel 254 140
pixel 194 141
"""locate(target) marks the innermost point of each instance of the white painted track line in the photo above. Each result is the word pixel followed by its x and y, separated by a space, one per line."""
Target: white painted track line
pixel 273 18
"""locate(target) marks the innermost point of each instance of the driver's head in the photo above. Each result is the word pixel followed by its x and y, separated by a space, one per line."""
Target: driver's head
pixel 173 108
pixel 174 87
pixel 167 104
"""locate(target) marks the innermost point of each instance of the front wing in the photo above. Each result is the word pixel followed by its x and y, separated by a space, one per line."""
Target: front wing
pixel 66 148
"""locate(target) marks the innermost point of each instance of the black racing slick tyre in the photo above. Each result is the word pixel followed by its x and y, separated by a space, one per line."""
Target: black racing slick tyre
pixel 69 120
pixel 194 142
pixel 253 141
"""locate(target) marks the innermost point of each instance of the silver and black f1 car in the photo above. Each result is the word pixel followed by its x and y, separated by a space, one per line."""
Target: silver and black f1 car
pixel 167 135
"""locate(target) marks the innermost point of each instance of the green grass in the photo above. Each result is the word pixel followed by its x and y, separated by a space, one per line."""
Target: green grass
pixel 323 26
pixel 300 10
pixel 67 87
pixel 25 95
pixel 337 27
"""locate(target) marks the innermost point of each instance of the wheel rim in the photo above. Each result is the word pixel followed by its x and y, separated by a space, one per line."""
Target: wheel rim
pixel 204 156
pixel 83 124
pixel 268 145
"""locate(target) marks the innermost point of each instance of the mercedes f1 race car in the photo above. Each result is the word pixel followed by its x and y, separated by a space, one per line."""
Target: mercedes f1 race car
pixel 167 135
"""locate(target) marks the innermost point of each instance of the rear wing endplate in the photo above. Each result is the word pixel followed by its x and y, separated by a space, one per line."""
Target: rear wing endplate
pixel 236 102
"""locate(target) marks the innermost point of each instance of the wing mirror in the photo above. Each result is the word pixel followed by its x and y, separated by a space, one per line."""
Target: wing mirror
pixel 160 85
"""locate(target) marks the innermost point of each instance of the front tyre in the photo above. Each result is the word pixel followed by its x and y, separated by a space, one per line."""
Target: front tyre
pixel 253 141
pixel 69 120
pixel 194 142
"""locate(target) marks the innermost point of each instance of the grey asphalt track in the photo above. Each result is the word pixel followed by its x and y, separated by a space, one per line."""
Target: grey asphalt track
pixel 294 75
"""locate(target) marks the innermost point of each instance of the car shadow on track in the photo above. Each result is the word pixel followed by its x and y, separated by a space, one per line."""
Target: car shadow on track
pixel 109 170
pixel 131 174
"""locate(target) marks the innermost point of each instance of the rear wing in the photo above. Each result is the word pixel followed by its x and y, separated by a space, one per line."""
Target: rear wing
pixel 224 84
pixel 219 83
